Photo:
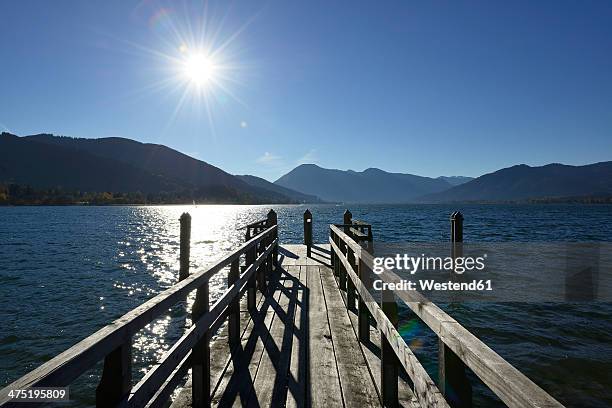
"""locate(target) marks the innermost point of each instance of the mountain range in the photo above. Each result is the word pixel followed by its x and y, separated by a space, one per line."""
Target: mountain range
pixel 522 182
pixel 159 174
pixel 122 165
pixel 368 186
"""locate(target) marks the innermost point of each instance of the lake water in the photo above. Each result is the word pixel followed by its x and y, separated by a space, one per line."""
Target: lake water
pixel 67 271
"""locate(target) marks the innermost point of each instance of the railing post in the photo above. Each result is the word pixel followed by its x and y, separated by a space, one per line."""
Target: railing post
pixel 233 324
pixel 363 312
pixel 336 261
pixel 308 231
pixel 347 219
pixel 261 269
pixel 116 381
pixel 342 270
pixel 250 256
pixel 350 285
pixel 273 220
pixel 200 354
pixel 370 242
pixel 185 238
pixel 332 258
pixel 452 378
pixel 389 363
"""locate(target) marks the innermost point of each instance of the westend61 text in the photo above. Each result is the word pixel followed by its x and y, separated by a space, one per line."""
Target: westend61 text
pixel 430 284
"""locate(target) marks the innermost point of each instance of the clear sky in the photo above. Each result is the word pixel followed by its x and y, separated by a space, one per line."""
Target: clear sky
pixel 424 87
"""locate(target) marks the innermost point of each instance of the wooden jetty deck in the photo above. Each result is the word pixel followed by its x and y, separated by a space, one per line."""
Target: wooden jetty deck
pixel 301 347
pixel 297 326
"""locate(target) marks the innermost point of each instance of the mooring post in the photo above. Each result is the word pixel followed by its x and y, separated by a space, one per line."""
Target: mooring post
pixel 389 363
pixel 185 238
pixel 116 381
pixel 273 220
pixel 452 378
pixel 200 354
pixel 308 231
pixel 456 221
pixel 233 323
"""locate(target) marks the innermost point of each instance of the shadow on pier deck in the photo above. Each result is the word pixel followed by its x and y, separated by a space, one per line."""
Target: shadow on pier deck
pixel 300 347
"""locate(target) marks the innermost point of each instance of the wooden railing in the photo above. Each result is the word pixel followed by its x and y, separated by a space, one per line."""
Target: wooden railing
pixel 113 343
pixel 459 349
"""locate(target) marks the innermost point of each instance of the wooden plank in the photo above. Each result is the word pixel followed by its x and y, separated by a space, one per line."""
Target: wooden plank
pixel 357 385
pixel 298 370
pixel 271 380
pixel 324 388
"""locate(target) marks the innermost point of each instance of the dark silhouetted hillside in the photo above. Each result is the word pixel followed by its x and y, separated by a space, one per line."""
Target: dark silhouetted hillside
pixel 121 165
pixel 523 182
pixel 24 161
pixel 368 186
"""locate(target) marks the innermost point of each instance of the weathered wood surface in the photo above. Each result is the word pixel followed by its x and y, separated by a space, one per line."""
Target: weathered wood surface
pixel 299 348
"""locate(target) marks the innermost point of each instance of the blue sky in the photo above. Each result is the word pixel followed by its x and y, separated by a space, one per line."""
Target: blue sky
pixel 430 88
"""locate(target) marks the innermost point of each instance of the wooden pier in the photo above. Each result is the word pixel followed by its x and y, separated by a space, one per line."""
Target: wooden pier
pixel 297 327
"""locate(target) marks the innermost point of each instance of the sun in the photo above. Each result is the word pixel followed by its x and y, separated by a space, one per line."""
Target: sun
pixel 199 68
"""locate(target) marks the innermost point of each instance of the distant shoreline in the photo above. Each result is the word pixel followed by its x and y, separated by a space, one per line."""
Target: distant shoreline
pixel 535 202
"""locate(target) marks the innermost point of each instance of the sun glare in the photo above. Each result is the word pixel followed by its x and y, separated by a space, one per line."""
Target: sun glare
pixel 199 69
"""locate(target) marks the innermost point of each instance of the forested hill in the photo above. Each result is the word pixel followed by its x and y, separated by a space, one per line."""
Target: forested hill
pixel 156 173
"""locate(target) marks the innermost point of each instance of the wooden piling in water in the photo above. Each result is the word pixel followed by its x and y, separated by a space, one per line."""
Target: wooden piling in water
pixel 308 231
pixel 185 243
pixel 452 378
